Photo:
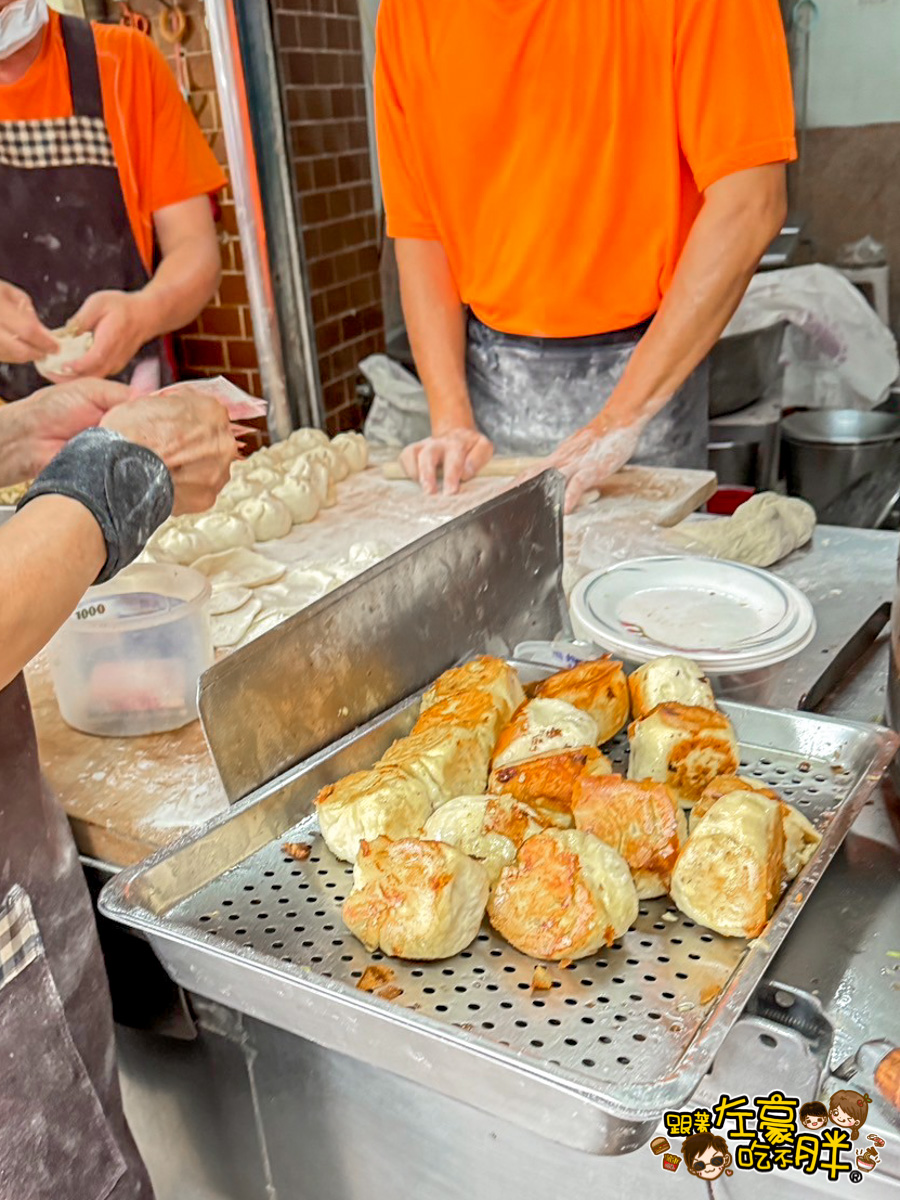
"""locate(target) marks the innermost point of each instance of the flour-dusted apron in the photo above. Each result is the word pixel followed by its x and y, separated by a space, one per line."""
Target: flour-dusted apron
pixel 62 1130
pixel 529 394
pixel 64 227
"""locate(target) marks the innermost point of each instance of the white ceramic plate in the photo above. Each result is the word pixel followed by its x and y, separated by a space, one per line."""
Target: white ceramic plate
pixel 725 615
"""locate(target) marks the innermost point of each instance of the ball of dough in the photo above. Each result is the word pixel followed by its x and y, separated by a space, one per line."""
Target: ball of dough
pixel 383 800
pixel 566 895
pixel 685 747
pixel 177 542
pixel 668 680
pixel 72 346
pixel 224 531
pixel 474 823
pixel 415 899
pixel 542 727
pixel 267 516
pixel 353 448
pixel 301 499
pixel 308 438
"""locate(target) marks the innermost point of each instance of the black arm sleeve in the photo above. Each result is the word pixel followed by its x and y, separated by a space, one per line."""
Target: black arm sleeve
pixel 126 488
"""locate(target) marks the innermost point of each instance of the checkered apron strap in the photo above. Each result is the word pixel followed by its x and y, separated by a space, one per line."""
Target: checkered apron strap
pixel 77 141
pixel 20 940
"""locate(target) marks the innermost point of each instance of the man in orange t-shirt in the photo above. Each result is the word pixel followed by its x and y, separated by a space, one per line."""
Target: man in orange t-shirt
pixel 105 179
pixel 580 191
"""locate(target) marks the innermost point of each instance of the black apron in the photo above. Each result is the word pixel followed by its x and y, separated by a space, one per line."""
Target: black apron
pixel 64 226
pixel 63 1134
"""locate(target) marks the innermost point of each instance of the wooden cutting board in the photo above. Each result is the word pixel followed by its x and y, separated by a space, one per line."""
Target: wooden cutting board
pixel 663 495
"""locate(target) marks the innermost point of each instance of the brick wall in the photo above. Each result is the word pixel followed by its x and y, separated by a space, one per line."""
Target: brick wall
pixel 319 47
pixel 220 341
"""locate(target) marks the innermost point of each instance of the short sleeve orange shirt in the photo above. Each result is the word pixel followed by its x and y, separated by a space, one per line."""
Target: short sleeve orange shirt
pixel 558 149
pixel 160 150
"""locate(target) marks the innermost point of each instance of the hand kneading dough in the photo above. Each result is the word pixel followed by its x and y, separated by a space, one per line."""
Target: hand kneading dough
pixel 668 680
pixel 639 819
pixel 447 762
pixel 548 783
pixel 177 543
pixel 484 674
pixel 728 874
pixel 566 895
pixel 542 727
pixel 489 828
pixel 598 687
pixel 384 800
pixel 415 899
pixel 72 346
pixel 800 836
pixel 684 747
pixel 267 516
pixel 302 502
pixel 354 448
pixel 762 531
pixel 224 531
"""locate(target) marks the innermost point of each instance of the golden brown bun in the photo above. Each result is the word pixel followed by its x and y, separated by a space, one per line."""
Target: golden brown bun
pixel 598 687
pixel 485 674
pixel 566 895
pixel 638 818
pixel 668 680
pixel 383 800
pixel 478 711
pixel 800 836
pixel 415 899
pixel 728 874
pixel 541 727
pixel 447 762
pixel 512 818
pixel 547 783
pixel 684 746
pixel 487 828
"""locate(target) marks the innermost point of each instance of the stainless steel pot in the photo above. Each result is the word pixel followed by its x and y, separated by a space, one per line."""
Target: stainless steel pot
pixel 829 454
pixel 744 368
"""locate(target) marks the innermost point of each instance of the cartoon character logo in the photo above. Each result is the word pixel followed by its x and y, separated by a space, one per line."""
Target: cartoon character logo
pixel 705 1155
pixel 814 1115
pixel 849 1110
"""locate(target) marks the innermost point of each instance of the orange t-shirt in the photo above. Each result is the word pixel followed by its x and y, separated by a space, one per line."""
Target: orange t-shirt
pixel 558 149
pixel 161 153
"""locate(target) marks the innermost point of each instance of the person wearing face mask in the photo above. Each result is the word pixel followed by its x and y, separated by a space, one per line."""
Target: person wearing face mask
pixel 109 471
pixel 579 193
pixel 105 185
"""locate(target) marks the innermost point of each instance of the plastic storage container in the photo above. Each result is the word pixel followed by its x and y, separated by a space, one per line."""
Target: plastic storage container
pixel 128 660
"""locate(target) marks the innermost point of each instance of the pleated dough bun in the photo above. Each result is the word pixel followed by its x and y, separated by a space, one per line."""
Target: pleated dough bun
pixel 264 478
pixel 237 489
pixel 668 680
pixel 483 674
pixel 414 899
pixel 548 783
pixel 314 473
pixel 683 746
pixel 354 448
pixel 541 727
pixel 383 800
pixel 488 828
pixel 300 498
pixel 267 516
pixel 178 542
pixel 224 531
pixel 447 762
pixel 598 687
pixel 800 837
pixel 728 874
pixel 638 818
pixel 566 895
pixel 307 439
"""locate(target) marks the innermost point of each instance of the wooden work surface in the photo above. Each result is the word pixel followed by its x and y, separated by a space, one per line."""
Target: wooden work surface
pixel 127 797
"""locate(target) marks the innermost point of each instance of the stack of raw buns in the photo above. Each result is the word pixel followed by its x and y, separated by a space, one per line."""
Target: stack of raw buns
pixel 502 802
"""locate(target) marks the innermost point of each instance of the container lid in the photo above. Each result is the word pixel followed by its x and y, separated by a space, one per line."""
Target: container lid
pixel 841 427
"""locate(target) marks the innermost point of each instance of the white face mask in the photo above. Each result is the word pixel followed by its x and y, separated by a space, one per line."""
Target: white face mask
pixel 19 23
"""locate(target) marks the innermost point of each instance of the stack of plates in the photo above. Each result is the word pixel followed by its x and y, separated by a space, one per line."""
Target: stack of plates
pixel 726 616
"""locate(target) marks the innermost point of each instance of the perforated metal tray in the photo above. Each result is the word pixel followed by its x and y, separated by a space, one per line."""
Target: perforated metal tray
pixel 591 1062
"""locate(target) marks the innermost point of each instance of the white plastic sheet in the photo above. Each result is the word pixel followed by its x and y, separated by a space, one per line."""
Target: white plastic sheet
pixel 399 412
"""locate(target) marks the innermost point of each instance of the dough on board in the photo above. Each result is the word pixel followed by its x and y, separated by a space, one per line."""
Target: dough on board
pixel 224 531
pixel 301 500
pixel 763 530
pixel 228 599
pixel 175 542
pixel 243 567
pixel 267 516
pixel 72 346
pixel 228 629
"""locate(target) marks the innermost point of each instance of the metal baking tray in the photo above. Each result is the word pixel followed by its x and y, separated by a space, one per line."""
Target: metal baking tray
pixel 592 1062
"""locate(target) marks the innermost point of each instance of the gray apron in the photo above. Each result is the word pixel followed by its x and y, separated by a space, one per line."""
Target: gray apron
pixel 63 1134
pixel 528 394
